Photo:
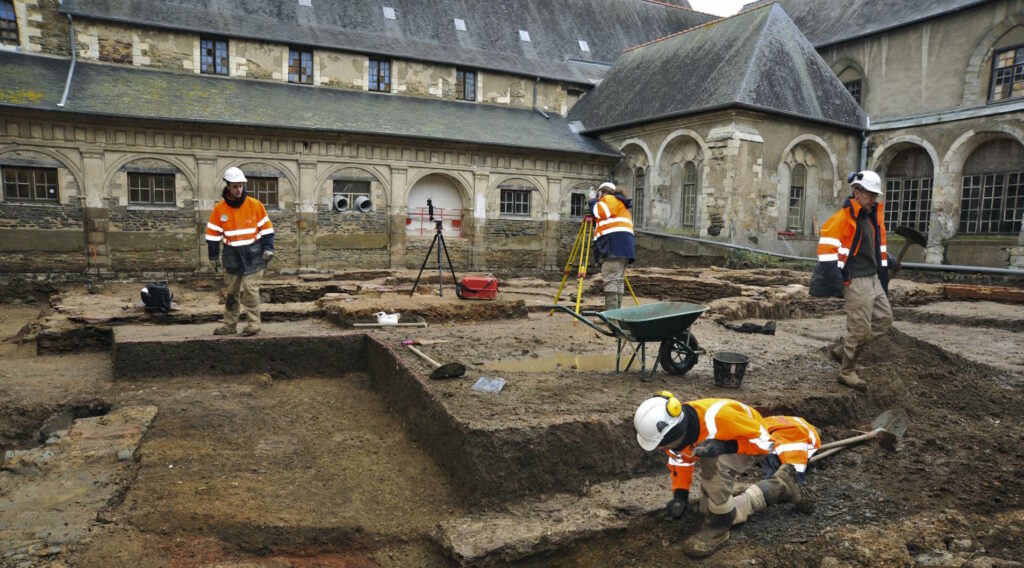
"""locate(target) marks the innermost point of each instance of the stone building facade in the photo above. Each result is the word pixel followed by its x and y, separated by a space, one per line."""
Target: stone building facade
pixel 504 118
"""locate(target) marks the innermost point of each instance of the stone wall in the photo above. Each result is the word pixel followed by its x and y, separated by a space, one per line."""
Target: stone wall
pixel 352 240
pixel 42 237
pixel 514 243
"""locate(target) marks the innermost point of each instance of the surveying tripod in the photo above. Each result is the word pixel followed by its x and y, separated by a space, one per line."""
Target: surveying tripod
pixel 581 252
pixel 439 241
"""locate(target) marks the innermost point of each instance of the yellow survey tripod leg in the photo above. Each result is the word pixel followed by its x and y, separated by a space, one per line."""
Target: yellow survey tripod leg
pixel 631 292
pixel 576 249
pixel 588 223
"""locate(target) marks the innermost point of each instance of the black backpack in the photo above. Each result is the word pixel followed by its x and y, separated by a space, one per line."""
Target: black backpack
pixel 157 296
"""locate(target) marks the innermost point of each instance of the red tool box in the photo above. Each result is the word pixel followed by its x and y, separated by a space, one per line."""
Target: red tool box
pixel 477 288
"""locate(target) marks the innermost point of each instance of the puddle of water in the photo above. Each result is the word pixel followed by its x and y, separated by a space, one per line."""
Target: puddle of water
pixel 563 361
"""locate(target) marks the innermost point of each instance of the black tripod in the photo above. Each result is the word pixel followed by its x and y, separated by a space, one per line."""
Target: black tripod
pixel 440 274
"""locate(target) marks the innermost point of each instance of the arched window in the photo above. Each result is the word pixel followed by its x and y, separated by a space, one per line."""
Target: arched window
pixel 993 189
pixel 689 197
pixel 908 190
pixel 639 179
pixel 797 185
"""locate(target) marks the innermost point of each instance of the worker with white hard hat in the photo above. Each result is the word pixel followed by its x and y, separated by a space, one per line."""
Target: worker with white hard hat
pixel 241 222
pixel 613 236
pixel 724 438
pixel 853 263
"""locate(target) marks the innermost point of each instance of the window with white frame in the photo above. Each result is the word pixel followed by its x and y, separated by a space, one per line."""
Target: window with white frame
pixel 577 205
pixel 908 190
pixel 797 192
pixel 992 201
pixel 1007 74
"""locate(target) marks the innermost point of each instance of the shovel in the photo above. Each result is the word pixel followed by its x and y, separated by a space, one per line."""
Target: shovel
pixel 888 428
pixel 446 371
pixel 911 237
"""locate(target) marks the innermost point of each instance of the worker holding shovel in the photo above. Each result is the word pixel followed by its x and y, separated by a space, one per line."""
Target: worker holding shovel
pixel 725 438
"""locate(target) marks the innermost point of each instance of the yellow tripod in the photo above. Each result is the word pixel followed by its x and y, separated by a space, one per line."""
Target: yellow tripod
pixel 580 254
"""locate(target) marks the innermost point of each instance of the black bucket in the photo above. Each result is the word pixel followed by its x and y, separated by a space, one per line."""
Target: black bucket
pixel 730 368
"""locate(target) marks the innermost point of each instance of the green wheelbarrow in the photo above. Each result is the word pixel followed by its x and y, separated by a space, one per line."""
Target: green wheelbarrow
pixel 667 322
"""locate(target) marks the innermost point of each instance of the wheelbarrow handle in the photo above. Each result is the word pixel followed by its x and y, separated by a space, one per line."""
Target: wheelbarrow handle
pixel 569 311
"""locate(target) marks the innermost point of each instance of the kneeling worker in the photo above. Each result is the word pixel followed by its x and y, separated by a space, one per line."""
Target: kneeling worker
pixel 729 438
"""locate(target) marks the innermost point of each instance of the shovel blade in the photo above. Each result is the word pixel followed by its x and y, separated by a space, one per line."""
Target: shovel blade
pixel 449 371
pixel 892 424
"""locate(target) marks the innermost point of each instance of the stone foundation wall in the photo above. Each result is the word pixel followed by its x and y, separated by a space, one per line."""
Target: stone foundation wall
pixel 42 237
pixel 352 239
pixel 514 243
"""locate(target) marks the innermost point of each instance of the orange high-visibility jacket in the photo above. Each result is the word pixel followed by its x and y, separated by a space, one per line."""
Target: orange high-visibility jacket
pixel 238 227
pixel 794 440
pixel 720 419
pixel 612 217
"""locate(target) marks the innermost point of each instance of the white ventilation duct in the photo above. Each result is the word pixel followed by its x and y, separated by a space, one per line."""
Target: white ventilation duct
pixel 340 203
pixel 363 204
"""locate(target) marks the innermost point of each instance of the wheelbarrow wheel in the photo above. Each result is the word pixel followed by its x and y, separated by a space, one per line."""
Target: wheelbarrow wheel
pixel 679 354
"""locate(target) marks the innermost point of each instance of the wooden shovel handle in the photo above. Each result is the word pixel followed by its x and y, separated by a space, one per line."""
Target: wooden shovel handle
pixel 421 354
pixel 850 441
pixel 826 453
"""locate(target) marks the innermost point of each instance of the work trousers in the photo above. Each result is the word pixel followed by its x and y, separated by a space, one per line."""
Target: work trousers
pixel 718 481
pixel 868 316
pixel 242 291
pixel 613 270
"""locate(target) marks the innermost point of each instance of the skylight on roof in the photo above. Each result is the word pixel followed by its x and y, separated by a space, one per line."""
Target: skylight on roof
pixel 460 24
pixel 305 2
pixel 524 35
pixel 584 46
pixel 389 12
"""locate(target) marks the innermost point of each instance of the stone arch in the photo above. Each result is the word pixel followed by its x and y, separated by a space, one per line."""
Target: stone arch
pixel 676 134
pixel 975 81
pixel 461 183
pixel 322 196
pixel 636 154
pixel 72 168
pixel 286 173
pixel 417 221
pixel 961 148
pixel 570 187
pixel 888 149
pixel 188 172
pixel 188 190
pixel 821 184
pixel 542 187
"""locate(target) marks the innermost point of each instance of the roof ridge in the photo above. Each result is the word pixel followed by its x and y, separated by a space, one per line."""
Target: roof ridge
pixel 681 32
pixel 676 6
pixel 752 64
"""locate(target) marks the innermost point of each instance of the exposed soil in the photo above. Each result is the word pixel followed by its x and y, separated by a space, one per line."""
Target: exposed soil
pixel 302 470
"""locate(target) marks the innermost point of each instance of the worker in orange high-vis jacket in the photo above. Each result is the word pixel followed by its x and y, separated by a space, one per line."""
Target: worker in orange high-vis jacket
pixel 794 441
pixel 853 263
pixel 240 221
pixel 724 438
pixel 613 237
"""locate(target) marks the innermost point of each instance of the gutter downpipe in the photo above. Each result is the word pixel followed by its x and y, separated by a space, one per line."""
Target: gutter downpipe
pixel 71 70
pixel 542 113
pixel 914 265
pixel 864 146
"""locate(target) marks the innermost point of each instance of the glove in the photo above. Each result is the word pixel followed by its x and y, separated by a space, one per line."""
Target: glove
pixel 677 506
pixel 215 264
pixel 714 448
pixel 267 255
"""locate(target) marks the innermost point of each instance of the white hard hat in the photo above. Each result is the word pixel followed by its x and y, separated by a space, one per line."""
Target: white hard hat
pixel 867 180
pixel 654 418
pixel 234 175
pixel 606 186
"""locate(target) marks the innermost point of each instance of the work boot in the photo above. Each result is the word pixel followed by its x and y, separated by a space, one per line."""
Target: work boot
pixel 835 350
pixel 610 301
pixel 783 486
pixel 250 330
pixel 853 381
pixel 225 330
pixel 711 537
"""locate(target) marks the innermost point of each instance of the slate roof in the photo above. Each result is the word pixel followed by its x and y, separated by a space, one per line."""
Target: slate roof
pixel 756 60
pixel 425 29
pixel 37 82
pixel 827 22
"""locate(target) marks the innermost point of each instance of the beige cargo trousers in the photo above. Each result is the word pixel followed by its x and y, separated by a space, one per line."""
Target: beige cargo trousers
pixel 868 316
pixel 242 291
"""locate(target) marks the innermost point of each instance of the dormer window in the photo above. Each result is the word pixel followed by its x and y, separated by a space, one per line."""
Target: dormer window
pixel 524 35
pixel 213 56
pixel 584 46
pixel 8 23
pixel 389 12
pixel 460 24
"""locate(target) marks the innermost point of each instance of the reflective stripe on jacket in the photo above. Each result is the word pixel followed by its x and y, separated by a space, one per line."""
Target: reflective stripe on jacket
pixel 838 242
pixel 611 216
pixel 238 227
pixel 794 440
pixel 720 419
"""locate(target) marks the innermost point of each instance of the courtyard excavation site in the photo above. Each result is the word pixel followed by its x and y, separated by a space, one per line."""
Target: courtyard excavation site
pixel 141 439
